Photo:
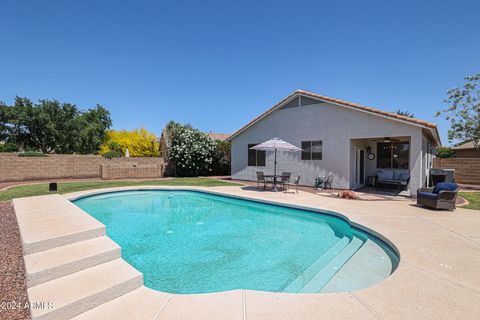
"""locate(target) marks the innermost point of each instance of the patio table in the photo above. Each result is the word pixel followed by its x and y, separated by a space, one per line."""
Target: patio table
pixel 273 179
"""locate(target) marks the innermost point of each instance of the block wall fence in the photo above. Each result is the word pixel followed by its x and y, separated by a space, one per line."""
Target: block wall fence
pixel 14 168
pixel 467 170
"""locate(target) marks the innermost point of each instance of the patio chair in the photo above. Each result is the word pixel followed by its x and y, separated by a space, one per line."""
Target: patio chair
pixel 285 178
pixel 294 184
pixel 327 184
pixel 443 196
pixel 261 179
pixel 319 182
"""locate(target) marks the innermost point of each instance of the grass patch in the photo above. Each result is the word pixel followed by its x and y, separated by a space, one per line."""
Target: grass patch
pixel 473 198
pixel 67 187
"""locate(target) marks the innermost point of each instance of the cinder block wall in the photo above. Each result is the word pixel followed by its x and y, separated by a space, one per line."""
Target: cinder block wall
pixel 14 168
pixel 116 171
pixel 467 170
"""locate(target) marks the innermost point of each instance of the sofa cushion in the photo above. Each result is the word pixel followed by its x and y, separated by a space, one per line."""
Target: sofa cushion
pixel 401 176
pixel 445 186
pixel 427 195
pixel 385 175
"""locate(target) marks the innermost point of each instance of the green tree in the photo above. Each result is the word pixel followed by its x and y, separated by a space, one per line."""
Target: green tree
pixel 6 144
pixel 464 111
pixel 50 126
pixel 221 158
pixel 114 150
pixel 445 152
pixel 3 121
pixel 94 124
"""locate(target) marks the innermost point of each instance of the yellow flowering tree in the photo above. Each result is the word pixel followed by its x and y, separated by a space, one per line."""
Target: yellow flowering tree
pixel 140 143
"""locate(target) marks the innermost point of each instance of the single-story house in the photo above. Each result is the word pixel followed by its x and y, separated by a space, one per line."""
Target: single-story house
pixel 218 136
pixel 349 141
pixel 467 150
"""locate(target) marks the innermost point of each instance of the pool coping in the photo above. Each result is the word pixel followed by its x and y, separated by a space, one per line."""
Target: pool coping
pixel 365 303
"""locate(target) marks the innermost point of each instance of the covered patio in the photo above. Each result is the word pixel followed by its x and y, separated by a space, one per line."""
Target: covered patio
pixel 390 165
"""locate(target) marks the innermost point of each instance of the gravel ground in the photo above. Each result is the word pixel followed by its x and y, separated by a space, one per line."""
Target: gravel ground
pixel 13 286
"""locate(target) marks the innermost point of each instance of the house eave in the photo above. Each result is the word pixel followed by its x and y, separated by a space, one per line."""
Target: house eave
pixel 352 106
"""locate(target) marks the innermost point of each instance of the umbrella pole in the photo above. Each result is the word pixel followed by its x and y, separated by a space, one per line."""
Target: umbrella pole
pixel 275 172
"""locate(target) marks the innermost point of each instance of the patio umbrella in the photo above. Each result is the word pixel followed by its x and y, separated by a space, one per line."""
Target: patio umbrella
pixel 275 145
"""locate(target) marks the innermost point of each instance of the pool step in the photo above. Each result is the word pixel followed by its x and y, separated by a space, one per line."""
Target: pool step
pixel 84 290
pixel 370 265
pixel 141 304
pixel 61 261
pixel 306 276
pixel 48 222
pixel 332 267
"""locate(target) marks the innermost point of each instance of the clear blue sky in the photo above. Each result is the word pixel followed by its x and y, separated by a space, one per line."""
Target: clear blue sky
pixel 218 64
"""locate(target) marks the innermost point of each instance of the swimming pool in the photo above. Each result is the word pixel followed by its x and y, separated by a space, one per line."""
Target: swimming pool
pixel 197 242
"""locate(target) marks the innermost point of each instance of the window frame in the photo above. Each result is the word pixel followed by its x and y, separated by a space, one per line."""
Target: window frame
pixel 257 153
pixel 310 152
pixel 392 158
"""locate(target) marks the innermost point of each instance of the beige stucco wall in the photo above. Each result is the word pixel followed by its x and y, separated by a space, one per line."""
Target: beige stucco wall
pixel 336 126
pixel 14 168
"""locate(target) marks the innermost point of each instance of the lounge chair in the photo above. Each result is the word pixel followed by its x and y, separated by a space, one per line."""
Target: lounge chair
pixel 294 184
pixel 443 196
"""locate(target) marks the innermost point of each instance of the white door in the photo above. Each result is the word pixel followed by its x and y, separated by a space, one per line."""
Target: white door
pixel 359 168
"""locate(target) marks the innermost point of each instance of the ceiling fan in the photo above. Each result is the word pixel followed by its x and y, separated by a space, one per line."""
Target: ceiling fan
pixel 388 139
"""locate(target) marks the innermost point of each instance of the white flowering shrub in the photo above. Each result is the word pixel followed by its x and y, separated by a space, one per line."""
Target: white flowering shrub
pixel 191 152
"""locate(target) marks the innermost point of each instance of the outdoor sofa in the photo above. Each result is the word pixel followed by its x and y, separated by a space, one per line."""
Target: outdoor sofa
pixel 398 179
pixel 443 196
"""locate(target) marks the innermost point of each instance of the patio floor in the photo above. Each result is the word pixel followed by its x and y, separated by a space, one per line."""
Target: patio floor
pixel 437 278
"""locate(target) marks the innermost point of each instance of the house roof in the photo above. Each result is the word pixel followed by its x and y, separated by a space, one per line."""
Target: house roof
pixel 219 136
pixel 466 145
pixel 392 115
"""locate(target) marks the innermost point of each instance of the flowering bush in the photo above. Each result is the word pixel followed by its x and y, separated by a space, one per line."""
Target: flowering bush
pixel 190 152
pixel 140 143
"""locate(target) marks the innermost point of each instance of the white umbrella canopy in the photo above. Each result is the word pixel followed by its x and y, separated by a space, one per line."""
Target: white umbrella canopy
pixel 275 145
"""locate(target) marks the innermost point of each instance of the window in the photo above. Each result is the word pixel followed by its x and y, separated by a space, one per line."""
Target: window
pixel 256 158
pixel 312 150
pixel 393 155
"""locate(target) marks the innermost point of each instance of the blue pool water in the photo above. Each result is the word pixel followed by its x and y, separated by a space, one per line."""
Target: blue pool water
pixel 195 242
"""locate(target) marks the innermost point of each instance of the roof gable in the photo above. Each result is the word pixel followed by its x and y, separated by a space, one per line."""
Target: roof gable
pixel 289 101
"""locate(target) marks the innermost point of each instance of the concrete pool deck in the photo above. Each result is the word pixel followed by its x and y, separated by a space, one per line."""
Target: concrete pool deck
pixel 438 276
